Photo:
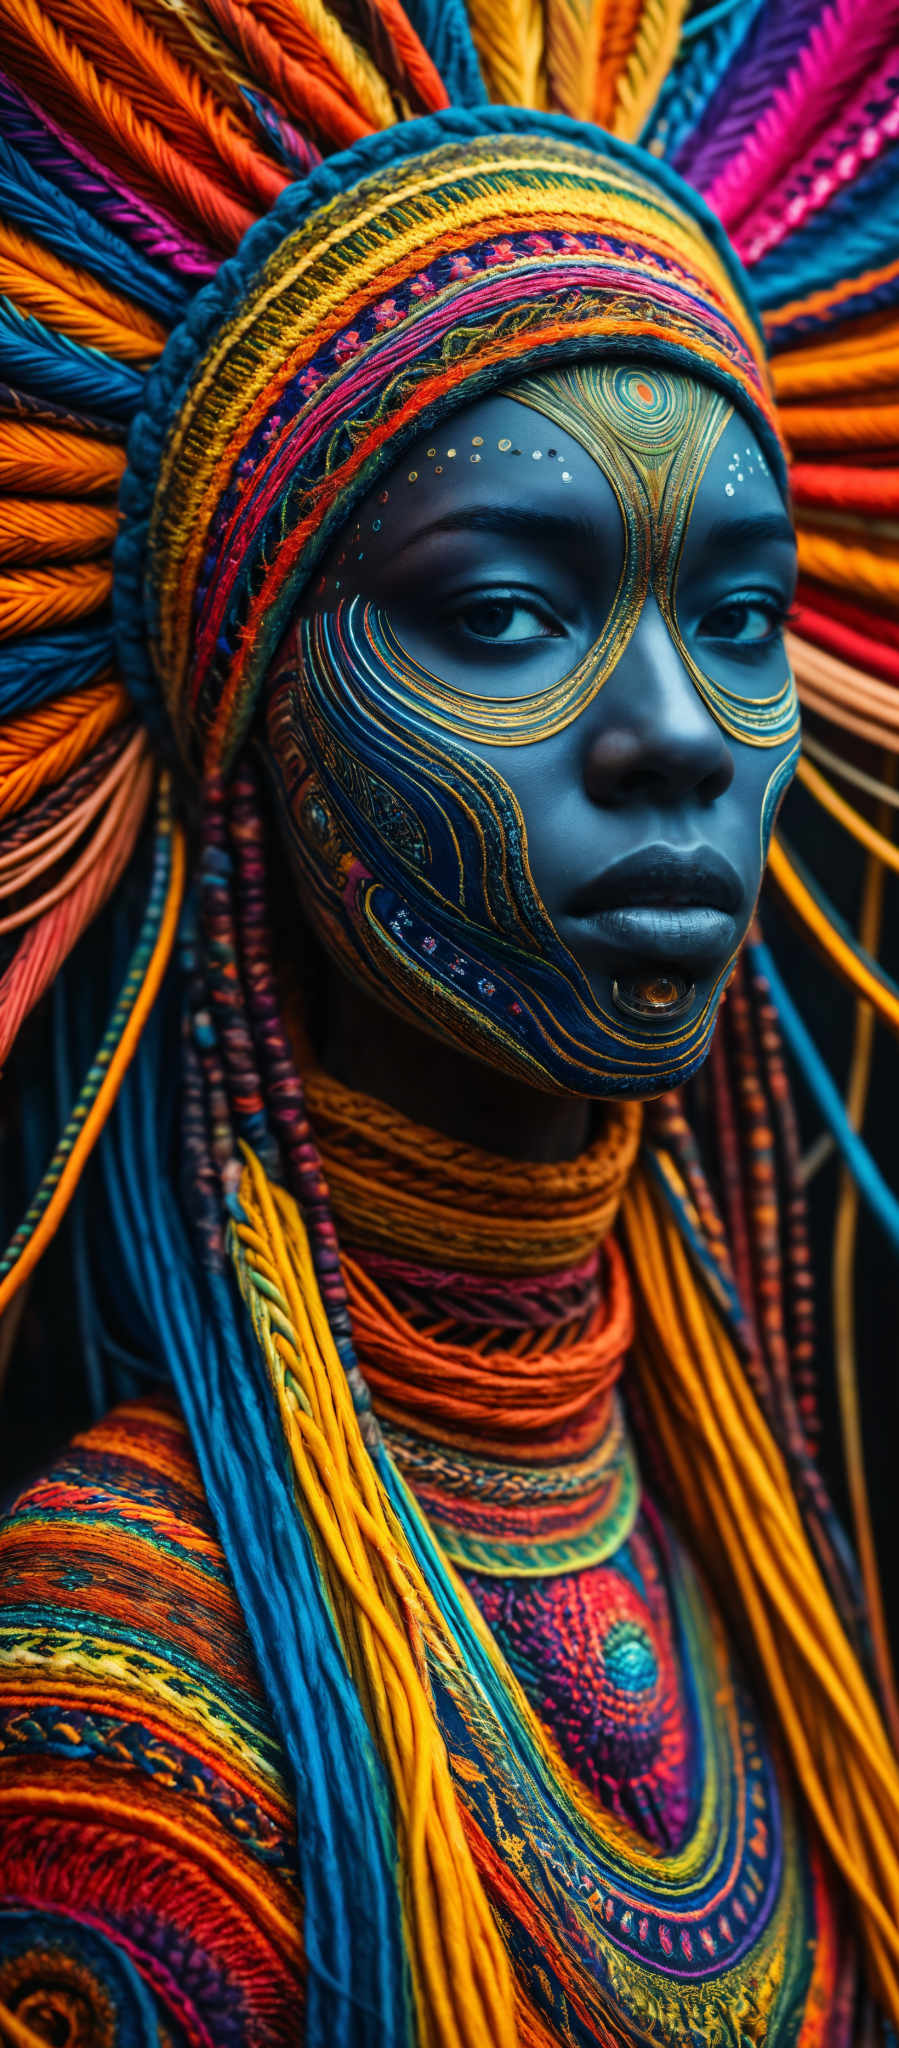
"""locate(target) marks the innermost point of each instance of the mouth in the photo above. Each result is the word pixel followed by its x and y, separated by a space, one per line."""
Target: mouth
pixel 662 905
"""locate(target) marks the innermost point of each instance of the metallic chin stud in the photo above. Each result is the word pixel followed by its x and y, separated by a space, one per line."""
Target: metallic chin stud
pixel 653 995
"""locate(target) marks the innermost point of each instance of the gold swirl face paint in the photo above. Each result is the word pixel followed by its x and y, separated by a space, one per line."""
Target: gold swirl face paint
pixel 529 739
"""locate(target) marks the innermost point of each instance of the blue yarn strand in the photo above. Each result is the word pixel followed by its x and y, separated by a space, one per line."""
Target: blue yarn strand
pixel 357 1983
pixel 856 232
pixel 43 209
pixel 45 665
pixel 53 366
pixel 696 76
pixel 868 1178
pixel 444 29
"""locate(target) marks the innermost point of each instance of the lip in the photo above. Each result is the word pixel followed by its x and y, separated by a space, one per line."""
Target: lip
pixel 678 907
pixel 662 878
pixel 692 935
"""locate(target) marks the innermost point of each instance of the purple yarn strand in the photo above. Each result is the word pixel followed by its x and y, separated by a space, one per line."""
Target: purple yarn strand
pixel 79 172
pixel 768 54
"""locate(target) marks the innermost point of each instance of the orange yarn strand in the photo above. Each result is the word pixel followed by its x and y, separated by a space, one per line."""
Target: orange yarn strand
pixel 111 1083
pixel 734 1492
pixel 72 300
pixel 136 144
pixel 165 90
pixel 135 793
pixel 53 529
pixel 311 99
pixel 846 814
pixel 35 599
pixel 843 1296
pixel 48 942
pixel 24 862
pixel 834 947
pixel 616 42
pixel 41 749
pixel 43 459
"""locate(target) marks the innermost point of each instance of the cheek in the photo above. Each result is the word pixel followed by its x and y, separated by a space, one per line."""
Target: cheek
pixel 556 819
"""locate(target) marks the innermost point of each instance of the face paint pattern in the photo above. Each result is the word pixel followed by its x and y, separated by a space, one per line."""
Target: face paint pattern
pixel 412 862
pixel 656 434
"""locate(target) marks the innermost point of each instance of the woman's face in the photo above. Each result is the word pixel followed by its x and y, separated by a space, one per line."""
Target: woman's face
pixel 530 735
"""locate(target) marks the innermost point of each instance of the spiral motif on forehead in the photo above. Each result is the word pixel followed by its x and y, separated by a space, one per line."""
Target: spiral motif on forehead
pixel 650 402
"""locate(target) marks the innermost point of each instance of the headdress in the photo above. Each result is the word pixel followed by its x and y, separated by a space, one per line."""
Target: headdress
pixel 410 241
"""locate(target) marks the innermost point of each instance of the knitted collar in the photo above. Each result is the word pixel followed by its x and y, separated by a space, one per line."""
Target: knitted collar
pixel 492 1365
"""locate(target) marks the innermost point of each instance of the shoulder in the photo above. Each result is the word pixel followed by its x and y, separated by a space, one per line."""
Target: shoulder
pixel 141 1785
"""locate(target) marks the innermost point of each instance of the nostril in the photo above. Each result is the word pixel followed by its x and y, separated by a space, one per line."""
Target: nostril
pixel 659 762
pixel 637 783
pixel 718 779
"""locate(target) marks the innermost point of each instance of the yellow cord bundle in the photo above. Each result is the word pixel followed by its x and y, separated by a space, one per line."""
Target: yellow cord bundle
pixel 735 1494
pixel 462 1983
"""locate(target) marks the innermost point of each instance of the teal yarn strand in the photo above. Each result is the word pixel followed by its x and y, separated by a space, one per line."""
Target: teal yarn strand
pixel 50 365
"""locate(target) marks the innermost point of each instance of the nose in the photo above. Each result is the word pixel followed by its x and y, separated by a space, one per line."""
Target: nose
pixel 653 739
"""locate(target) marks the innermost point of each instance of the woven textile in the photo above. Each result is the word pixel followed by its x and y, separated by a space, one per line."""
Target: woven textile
pixel 141 1790
pixel 145 1833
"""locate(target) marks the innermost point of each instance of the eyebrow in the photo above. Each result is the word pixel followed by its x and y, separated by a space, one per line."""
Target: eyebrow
pixel 751 530
pixel 570 527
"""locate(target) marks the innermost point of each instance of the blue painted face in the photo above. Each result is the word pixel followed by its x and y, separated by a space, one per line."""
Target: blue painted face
pixel 529 738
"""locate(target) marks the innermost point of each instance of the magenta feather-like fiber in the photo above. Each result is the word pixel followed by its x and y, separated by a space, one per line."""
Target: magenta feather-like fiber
pixel 869 126
pixel 745 93
pixel 72 166
pixel 843 49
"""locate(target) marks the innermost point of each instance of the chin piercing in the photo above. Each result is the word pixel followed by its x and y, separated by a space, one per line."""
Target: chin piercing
pixel 653 995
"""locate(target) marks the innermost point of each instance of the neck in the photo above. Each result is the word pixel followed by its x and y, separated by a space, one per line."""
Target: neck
pixel 369 1049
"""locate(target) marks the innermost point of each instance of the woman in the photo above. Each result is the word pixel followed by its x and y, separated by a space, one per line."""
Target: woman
pixel 376 1687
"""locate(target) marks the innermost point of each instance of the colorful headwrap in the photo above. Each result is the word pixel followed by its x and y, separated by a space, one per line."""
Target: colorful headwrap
pixel 370 302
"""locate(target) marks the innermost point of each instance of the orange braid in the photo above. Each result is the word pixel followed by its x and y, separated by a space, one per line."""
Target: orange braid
pixel 171 94
pixel 48 942
pixel 34 458
pixel 42 299
pixel 40 750
pixel 311 99
pixel 804 373
pixel 30 856
pixel 53 529
pixel 188 32
pixel 135 791
pixel 430 1188
pixel 66 78
pixel 406 1366
pixel 132 332
pixel 850 425
pixel 616 43
pixel 40 598
pixel 422 74
pixel 844 563
pixel 313 38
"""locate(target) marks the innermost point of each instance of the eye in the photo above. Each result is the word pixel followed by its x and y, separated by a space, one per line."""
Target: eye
pixel 746 621
pixel 503 620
